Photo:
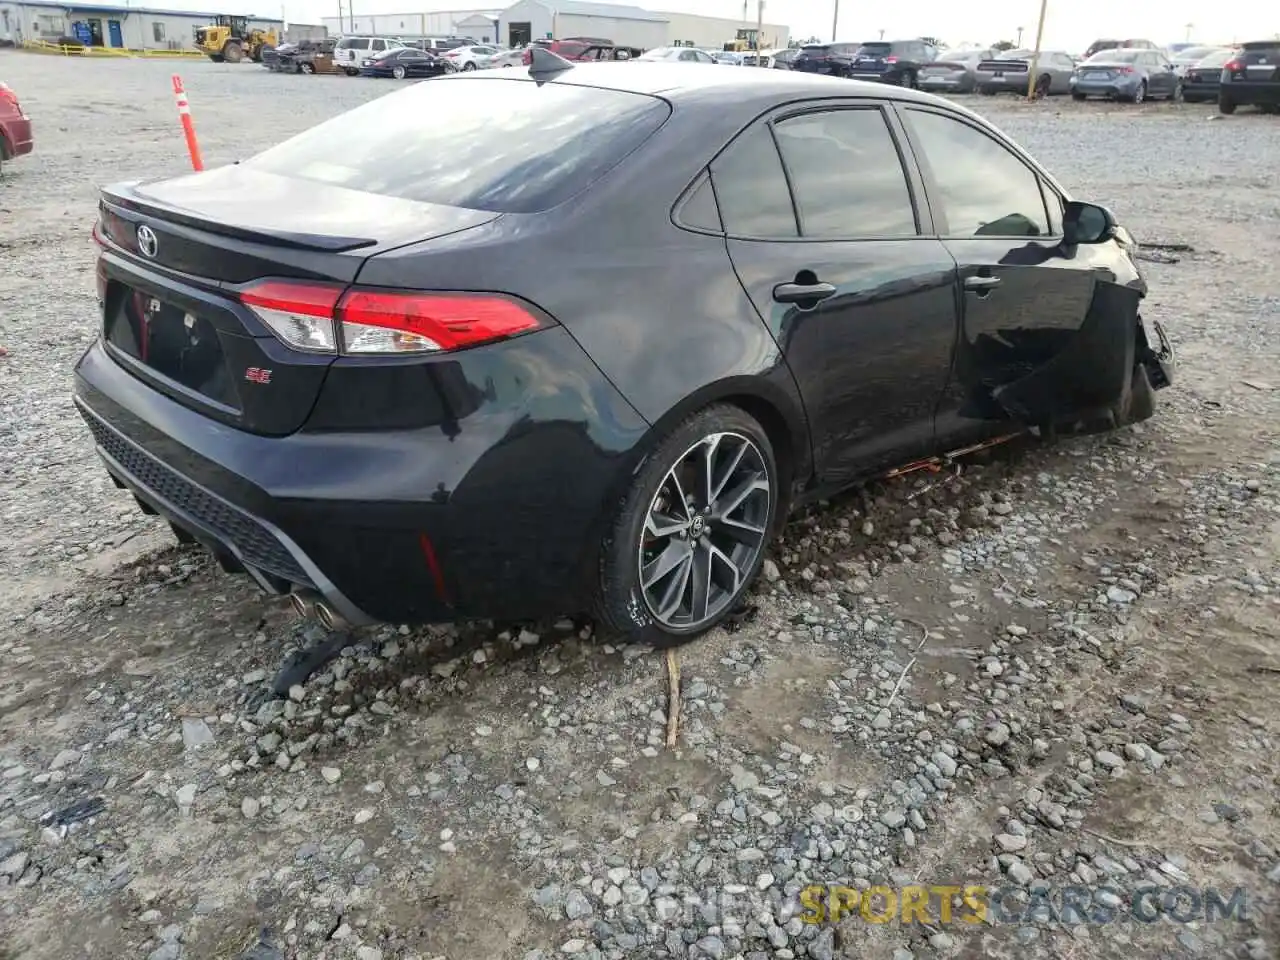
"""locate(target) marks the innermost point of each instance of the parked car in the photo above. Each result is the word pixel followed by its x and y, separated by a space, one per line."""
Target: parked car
pixel 350 52
pixel 729 58
pixel 1126 74
pixel 306 56
pixel 1184 59
pixel 1252 78
pixel 898 61
pixel 1099 45
pixel 954 73
pixel 677 55
pixel 463 434
pixel 15 126
pixel 1201 82
pixel 508 58
pixel 832 59
pixel 1009 72
pixel 405 62
pixel 576 49
pixel 471 57
pixel 784 59
pixel 439 45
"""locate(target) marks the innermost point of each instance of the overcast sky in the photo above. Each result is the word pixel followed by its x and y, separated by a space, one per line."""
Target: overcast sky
pixel 1071 24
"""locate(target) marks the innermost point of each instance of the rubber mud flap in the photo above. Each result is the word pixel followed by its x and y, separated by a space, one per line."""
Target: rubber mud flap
pixel 1092 375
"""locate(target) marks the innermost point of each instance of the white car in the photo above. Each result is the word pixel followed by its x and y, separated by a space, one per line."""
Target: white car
pixel 350 52
pixel 508 58
pixel 471 58
pixel 676 55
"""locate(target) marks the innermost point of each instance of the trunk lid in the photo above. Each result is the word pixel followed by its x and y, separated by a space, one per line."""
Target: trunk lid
pixel 178 254
pixel 997 67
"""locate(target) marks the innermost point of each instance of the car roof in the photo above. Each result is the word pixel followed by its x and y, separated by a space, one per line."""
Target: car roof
pixel 673 81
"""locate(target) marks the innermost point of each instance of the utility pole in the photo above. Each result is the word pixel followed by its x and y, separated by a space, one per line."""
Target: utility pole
pixel 1189 26
pixel 340 30
pixel 1019 43
pixel 835 21
pixel 1035 57
pixel 759 31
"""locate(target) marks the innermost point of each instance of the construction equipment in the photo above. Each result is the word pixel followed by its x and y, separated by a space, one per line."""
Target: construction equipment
pixel 746 40
pixel 231 38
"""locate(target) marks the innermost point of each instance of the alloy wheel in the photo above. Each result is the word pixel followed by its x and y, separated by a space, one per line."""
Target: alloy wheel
pixel 1141 93
pixel 398 73
pixel 704 531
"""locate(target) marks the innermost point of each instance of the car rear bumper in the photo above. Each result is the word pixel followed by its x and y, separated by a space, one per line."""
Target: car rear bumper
pixel 953 84
pixel 1104 88
pixel 1245 92
pixel 1012 84
pixel 495 512
pixel 1195 92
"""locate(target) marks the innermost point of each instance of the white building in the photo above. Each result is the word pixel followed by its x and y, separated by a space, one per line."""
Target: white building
pixel 529 20
pixel 101 25
pixel 479 24
pixel 691 30
pixel 627 26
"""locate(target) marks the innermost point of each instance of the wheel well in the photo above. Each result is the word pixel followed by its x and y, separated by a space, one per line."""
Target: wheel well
pixel 778 431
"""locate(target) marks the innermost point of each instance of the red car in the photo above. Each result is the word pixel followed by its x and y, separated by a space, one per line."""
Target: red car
pixel 15 126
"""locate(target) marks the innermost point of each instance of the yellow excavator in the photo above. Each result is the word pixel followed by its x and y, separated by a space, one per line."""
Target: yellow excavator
pixel 231 39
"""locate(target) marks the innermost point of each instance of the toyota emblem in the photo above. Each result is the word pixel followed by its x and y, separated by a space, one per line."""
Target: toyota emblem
pixel 147 242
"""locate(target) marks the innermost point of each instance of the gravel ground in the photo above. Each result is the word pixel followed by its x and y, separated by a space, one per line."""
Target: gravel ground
pixel 1053 669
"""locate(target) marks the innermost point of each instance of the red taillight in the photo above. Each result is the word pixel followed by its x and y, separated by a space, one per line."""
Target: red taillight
pixel 1233 65
pixel 890 59
pixel 300 314
pixel 527 57
pixel 321 318
pixel 8 96
pixel 375 321
pixel 1124 69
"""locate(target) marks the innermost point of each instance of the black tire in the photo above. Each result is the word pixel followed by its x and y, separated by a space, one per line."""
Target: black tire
pixel 1142 397
pixel 1078 97
pixel 909 79
pixel 1042 86
pixel 216 57
pixel 232 52
pixel 307 68
pixel 621 604
pixel 1225 106
pixel 1176 95
pixel 352 71
pixel 1139 95
pixel 468 66
pixel 399 72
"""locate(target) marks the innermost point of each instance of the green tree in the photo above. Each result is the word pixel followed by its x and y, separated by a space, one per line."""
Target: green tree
pixel 1002 45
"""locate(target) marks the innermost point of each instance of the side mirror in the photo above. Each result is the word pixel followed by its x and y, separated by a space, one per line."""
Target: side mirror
pixel 1087 223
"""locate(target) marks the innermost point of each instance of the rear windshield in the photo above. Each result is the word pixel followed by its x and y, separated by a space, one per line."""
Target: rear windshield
pixel 875 49
pixel 815 50
pixel 1117 56
pixel 507 146
pixel 1218 58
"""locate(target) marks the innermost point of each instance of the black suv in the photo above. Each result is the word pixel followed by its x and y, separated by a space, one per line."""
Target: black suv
pixel 898 61
pixel 835 59
pixel 1252 77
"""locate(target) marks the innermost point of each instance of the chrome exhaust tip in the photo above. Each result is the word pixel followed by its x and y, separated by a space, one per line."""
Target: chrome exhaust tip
pixel 328 617
pixel 299 603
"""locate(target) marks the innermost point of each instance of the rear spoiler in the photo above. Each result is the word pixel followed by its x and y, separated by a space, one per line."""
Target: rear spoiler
pixel 126 196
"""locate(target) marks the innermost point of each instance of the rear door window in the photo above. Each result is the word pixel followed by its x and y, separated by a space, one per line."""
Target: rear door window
pixel 509 146
pixel 846 175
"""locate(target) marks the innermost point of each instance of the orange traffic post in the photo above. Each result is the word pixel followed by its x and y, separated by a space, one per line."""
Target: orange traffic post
pixel 188 128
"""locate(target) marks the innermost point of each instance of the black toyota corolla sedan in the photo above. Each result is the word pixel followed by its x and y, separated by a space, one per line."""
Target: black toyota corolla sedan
pixel 488 362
